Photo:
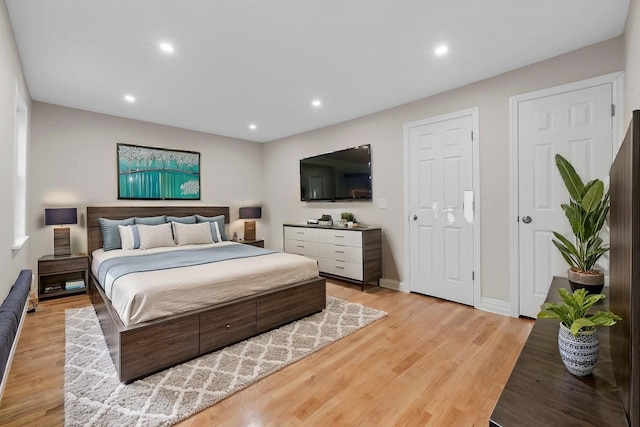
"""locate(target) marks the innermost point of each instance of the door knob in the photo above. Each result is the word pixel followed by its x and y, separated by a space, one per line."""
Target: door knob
pixel 415 217
pixel 526 219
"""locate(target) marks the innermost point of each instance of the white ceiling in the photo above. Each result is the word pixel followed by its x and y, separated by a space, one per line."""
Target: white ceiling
pixel 238 62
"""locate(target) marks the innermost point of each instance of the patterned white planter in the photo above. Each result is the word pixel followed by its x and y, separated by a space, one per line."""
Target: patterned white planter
pixel 579 354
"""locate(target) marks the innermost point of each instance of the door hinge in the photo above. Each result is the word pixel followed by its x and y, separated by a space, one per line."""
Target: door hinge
pixel 613 110
pixel 473 275
pixel 471 135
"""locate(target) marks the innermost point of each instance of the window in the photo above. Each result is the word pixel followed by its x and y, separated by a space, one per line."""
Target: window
pixel 20 173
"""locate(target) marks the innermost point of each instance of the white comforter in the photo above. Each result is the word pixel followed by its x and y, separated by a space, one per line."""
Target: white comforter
pixel 144 296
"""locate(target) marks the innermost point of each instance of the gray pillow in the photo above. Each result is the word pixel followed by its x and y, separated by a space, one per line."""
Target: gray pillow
pixel 151 220
pixel 191 219
pixel 110 232
pixel 217 219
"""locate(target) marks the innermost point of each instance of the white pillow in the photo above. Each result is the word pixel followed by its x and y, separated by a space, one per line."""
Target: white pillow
pixel 129 236
pixel 192 234
pixel 155 236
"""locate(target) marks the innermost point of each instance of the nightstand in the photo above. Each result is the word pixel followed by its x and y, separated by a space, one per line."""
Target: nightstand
pixel 258 243
pixel 62 275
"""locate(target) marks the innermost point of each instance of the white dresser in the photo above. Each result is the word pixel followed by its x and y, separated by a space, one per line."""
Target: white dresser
pixel 352 254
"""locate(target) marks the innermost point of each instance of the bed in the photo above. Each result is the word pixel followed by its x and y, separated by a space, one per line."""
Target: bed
pixel 140 346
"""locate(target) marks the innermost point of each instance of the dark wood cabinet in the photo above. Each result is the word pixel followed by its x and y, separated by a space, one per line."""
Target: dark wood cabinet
pixel 61 276
pixel 541 392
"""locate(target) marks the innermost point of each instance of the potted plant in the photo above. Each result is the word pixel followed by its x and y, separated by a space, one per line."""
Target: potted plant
pixel 578 341
pixel 586 212
pixel 349 218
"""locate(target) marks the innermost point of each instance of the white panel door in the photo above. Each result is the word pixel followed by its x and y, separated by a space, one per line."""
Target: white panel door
pixel 441 239
pixel 577 125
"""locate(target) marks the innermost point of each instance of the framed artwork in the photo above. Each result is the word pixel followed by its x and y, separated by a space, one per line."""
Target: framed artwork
pixel 157 174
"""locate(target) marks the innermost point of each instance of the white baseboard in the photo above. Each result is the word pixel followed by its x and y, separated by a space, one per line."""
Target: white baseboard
pixel 494 306
pixel 395 285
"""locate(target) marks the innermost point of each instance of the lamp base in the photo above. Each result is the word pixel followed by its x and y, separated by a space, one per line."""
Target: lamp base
pixel 249 230
pixel 62 241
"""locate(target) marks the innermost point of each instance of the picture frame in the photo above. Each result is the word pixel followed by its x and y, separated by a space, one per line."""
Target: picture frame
pixel 151 173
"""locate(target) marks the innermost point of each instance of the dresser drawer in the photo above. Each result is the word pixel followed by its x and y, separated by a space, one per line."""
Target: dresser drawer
pixel 340 268
pixel 301 247
pixel 340 252
pixel 301 233
pixel 227 325
pixel 62 265
pixel 340 237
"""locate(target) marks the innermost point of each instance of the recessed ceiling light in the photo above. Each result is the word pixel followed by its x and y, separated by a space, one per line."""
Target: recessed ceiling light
pixel 316 103
pixel 166 47
pixel 441 50
pixel 130 98
pixel 252 126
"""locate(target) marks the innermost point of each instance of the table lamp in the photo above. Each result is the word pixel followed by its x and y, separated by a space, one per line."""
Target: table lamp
pixel 61 235
pixel 250 226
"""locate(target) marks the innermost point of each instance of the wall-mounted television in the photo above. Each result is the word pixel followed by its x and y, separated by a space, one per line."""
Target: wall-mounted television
pixel 338 176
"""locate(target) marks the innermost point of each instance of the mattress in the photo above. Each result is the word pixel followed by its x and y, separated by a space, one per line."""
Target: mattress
pixel 144 296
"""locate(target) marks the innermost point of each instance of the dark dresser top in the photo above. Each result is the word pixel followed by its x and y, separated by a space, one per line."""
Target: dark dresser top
pixel 333 227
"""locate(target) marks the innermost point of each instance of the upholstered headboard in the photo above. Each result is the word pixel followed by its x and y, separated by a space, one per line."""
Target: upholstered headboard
pixel 94 235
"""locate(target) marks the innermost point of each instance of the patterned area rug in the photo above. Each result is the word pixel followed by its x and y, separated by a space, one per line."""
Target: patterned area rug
pixel 95 397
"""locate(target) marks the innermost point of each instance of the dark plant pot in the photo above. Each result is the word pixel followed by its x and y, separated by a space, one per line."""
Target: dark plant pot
pixel 593 283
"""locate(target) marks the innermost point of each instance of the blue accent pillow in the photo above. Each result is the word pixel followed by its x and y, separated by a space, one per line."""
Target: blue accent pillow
pixel 191 219
pixel 151 220
pixel 218 219
pixel 110 233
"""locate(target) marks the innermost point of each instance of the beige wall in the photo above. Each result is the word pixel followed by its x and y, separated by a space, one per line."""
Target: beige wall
pixel 73 164
pixel 632 60
pixel 11 262
pixel 384 131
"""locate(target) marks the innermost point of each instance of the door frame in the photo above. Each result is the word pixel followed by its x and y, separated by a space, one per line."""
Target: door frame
pixel 473 112
pixel 617 84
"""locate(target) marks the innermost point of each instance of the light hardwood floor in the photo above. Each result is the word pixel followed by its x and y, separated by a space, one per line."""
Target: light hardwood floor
pixel 430 362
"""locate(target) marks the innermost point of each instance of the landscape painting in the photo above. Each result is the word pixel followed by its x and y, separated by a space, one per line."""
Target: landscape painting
pixel 157 173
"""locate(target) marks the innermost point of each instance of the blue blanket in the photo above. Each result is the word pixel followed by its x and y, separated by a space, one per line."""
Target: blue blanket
pixel 117 267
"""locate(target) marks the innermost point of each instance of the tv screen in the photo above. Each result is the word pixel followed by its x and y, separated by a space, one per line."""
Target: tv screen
pixel 341 175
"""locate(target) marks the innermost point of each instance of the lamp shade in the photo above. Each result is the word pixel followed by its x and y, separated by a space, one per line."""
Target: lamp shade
pixel 251 212
pixel 60 216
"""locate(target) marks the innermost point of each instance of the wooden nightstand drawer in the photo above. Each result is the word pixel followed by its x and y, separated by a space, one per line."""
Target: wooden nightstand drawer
pixel 62 265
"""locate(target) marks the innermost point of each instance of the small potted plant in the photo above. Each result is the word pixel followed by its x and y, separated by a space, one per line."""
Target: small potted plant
pixel 578 340
pixel 349 218
pixel 586 212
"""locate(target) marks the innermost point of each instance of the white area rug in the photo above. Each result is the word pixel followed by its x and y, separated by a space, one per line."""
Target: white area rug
pixel 95 397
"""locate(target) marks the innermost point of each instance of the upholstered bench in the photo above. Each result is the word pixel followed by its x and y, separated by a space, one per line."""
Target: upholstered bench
pixel 12 312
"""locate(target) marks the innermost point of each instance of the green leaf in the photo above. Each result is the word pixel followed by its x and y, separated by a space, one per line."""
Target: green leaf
pixel 565 254
pixel 605 318
pixel 571 179
pixel 579 324
pixel 592 198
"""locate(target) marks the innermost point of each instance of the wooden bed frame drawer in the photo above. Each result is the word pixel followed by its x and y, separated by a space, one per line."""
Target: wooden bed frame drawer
pixel 282 307
pixel 227 325
pixel 156 347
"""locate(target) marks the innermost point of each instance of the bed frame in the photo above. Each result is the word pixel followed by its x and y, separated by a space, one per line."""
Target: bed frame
pixel 145 348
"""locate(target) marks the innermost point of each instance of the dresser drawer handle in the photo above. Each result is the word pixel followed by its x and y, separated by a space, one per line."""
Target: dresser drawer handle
pixel 339 252
pixel 341 268
pixel 342 237
pixel 228 326
pixel 299 246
